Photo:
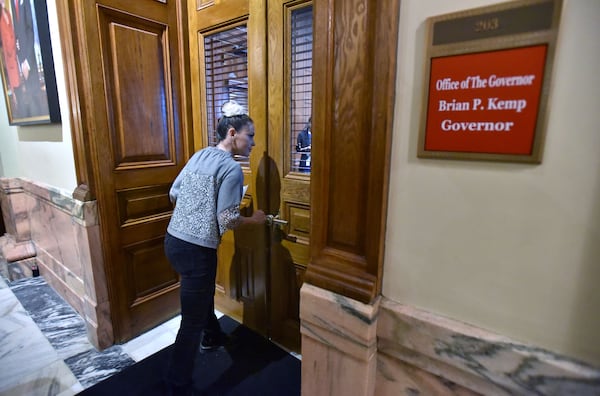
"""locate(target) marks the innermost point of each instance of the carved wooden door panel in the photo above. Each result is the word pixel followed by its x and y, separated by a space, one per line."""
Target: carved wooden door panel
pixel 228 62
pixel 136 102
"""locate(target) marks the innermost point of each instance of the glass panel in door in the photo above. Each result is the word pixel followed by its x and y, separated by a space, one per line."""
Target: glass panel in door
pixel 301 41
pixel 226 71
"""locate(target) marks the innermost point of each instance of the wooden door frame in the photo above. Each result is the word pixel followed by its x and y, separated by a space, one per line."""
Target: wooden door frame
pixel 354 66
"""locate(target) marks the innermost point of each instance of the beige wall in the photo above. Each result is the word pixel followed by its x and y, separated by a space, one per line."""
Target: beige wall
pixel 43 153
pixel 508 247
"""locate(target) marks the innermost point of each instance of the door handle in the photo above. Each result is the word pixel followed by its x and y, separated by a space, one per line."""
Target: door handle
pixel 275 221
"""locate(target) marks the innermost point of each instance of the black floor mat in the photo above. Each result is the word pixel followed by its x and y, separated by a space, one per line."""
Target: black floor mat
pixel 252 365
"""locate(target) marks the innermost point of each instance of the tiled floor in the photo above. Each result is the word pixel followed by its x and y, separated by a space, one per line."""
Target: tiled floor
pixel 44 349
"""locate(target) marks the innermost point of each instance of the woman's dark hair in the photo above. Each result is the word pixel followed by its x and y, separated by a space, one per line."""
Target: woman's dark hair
pixel 236 122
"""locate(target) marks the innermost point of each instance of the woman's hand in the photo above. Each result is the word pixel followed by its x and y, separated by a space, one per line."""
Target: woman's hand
pixel 258 217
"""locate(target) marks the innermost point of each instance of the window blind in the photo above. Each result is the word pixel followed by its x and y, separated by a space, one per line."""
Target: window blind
pixel 226 71
pixel 301 81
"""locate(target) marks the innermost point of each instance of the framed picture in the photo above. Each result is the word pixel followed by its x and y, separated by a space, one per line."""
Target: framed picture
pixel 27 64
pixel 488 75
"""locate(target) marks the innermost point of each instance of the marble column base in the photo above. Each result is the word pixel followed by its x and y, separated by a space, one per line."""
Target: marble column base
pixel 18 251
pixel 339 344
pixel 16 259
pixel 15 211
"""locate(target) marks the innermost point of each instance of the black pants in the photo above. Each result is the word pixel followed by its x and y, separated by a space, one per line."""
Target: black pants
pixel 197 266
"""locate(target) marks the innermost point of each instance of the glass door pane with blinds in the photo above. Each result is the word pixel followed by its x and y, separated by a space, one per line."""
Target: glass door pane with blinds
pixel 301 44
pixel 226 75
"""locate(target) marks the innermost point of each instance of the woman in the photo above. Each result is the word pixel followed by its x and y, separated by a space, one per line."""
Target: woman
pixel 207 195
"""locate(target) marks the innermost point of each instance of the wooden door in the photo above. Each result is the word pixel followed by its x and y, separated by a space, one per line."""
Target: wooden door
pixel 290 45
pixel 130 75
pixel 228 61
pixel 260 270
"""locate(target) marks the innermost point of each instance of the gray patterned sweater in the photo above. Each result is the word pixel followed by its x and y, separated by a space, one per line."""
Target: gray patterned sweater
pixel 207 194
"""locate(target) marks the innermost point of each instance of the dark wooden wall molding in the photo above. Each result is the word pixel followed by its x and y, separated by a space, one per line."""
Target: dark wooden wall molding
pixel 354 78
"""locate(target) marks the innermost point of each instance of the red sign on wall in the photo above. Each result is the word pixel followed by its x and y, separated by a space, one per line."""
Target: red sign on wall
pixel 485 102
pixel 487 79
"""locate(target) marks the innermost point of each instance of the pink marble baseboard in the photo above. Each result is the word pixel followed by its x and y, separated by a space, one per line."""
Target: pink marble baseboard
pixel 421 353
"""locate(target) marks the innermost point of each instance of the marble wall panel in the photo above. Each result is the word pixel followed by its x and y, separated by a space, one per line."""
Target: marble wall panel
pixel 420 353
pixel 420 350
pixel 14 209
pixel 90 251
pixel 96 304
pixel 66 238
pixel 6 211
pixel 395 378
pixel 52 227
